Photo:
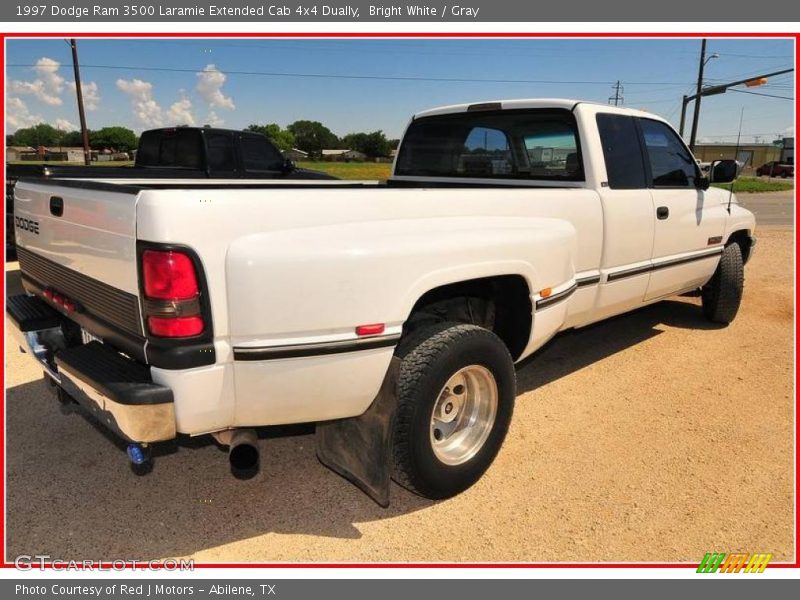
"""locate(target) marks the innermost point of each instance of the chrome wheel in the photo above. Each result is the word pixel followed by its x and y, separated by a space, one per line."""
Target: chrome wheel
pixel 463 415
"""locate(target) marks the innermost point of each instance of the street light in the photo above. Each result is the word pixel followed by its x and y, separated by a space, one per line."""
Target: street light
pixel 696 118
pixel 712 90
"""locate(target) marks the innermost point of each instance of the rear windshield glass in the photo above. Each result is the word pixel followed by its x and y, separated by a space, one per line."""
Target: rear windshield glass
pixel 507 144
pixel 170 148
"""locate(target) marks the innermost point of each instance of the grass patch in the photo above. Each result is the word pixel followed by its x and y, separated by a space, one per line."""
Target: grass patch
pixel 756 184
pixel 351 170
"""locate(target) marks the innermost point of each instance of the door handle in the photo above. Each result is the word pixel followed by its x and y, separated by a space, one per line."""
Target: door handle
pixel 56 206
pixel 662 212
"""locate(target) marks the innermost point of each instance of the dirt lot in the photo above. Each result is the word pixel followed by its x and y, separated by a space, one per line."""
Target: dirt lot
pixel 651 437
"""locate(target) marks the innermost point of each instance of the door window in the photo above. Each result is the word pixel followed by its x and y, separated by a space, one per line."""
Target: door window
pixel 258 154
pixel 671 163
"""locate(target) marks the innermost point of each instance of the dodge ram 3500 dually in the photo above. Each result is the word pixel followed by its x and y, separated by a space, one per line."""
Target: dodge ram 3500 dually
pixel 389 315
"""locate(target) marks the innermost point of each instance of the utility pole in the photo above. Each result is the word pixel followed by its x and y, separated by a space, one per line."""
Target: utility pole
pixel 684 102
pixel 87 153
pixel 696 118
pixel 617 98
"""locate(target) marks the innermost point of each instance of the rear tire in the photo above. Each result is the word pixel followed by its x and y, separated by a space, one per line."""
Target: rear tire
pixel 722 295
pixel 456 392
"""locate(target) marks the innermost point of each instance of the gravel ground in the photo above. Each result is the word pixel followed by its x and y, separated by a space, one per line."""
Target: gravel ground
pixel 650 437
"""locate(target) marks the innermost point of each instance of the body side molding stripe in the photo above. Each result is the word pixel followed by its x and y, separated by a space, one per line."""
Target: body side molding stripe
pixel 558 297
pixel 663 265
pixel 589 280
pixel 315 349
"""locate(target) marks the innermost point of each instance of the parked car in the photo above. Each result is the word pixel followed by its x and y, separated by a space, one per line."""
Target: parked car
pixel 389 315
pixel 176 152
pixel 775 168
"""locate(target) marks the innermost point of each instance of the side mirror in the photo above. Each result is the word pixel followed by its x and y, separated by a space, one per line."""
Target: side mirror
pixel 289 166
pixel 723 171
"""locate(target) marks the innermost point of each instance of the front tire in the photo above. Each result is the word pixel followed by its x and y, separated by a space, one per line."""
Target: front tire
pixel 722 295
pixel 456 394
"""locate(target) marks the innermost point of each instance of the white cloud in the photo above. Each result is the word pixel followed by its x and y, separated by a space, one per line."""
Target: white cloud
pixel 146 110
pixel 47 86
pixel 47 69
pixel 213 120
pixel 209 85
pixel 65 125
pixel 180 113
pixel 19 115
pixel 91 94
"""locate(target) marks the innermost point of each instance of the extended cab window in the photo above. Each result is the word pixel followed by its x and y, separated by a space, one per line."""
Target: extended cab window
pixel 622 152
pixel 671 163
pixel 258 154
pixel 220 152
pixel 502 144
pixel 174 148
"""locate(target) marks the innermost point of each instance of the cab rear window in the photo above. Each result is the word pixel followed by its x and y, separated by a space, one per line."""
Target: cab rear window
pixel 504 144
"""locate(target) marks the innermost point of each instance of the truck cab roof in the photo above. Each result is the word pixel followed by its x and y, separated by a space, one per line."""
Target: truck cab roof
pixel 523 103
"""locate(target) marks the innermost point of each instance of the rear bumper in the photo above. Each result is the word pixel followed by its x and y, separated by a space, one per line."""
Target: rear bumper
pixel 118 391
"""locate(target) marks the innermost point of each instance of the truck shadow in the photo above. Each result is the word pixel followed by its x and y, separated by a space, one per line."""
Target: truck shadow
pixel 71 494
pixel 578 348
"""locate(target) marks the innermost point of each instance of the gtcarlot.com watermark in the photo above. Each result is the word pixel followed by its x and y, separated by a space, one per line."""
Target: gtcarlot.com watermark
pixel 26 562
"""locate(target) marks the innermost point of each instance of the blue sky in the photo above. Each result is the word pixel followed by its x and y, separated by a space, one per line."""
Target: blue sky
pixel 654 74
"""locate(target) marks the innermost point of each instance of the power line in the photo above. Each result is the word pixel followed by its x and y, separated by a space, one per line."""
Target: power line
pixel 760 94
pixel 368 77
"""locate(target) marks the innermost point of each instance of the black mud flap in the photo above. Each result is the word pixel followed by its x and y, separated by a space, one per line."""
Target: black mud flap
pixel 359 448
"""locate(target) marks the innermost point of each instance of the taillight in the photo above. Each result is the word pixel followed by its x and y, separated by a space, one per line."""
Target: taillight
pixel 171 291
pixel 168 275
pixel 175 326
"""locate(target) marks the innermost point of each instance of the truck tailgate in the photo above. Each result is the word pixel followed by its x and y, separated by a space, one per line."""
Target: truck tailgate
pixel 82 243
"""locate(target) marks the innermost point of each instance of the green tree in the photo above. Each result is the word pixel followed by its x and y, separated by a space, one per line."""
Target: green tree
pixel 119 138
pixel 372 144
pixel 73 138
pixel 313 136
pixel 282 138
pixel 41 134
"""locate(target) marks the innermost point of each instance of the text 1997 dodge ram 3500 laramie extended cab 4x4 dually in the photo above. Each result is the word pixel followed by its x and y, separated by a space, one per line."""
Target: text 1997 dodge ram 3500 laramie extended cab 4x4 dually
pixel 389 315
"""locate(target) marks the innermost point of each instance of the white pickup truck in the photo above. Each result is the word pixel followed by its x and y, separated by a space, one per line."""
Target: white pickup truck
pixel 391 315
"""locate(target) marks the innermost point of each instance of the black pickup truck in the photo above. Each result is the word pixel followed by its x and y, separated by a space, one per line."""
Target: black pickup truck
pixel 175 153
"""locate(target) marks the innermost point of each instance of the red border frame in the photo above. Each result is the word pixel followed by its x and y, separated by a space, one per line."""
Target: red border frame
pixel 402 35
